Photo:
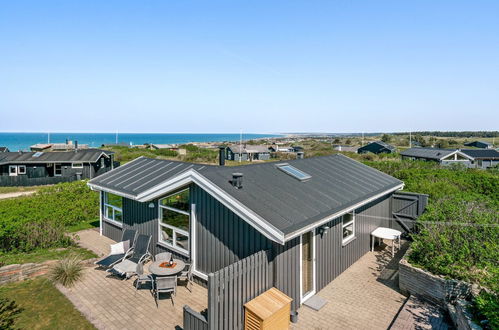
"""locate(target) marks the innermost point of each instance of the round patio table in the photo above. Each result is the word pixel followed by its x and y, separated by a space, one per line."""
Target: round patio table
pixel 386 233
pixel 166 271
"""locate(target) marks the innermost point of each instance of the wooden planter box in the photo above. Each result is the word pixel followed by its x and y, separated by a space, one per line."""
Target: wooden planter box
pixel 270 310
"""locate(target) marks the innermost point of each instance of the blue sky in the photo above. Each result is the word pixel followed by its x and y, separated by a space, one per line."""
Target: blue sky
pixel 259 66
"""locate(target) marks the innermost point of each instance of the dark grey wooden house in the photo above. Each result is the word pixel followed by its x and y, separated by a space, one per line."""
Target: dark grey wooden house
pixel 314 214
pixel 377 147
pixel 471 158
pixel 480 144
pixel 4 149
pixel 38 168
pixel 248 152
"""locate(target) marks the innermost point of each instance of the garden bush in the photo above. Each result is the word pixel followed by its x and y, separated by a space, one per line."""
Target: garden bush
pixel 486 310
pixel 9 312
pixel 40 220
pixel 68 271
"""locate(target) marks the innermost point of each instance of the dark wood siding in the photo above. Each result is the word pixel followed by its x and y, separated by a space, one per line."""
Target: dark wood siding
pixel 331 257
pixel 222 237
pixel 287 269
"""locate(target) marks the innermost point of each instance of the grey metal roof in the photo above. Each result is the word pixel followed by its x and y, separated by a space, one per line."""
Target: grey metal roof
pixel 481 153
pixel 86 155
pixel 475 143
pixel 381 144
pixel 337 182
pixel 427 153
pixel 142 174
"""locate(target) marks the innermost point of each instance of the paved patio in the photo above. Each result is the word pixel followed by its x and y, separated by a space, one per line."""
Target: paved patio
pixel 365 296
pixel 111 303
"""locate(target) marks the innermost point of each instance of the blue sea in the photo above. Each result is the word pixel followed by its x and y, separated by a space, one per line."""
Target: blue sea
pixel 22 141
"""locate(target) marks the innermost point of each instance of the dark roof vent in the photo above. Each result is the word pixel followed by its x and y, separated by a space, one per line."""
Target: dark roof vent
pixel 237 180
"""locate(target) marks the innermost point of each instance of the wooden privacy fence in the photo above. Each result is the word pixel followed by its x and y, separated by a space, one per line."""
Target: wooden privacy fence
pixel 406 208
pixel 229 289
pixel 23 180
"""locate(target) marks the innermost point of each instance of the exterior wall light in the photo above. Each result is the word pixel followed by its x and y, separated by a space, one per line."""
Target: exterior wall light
pixel 151 205
pixel 323 230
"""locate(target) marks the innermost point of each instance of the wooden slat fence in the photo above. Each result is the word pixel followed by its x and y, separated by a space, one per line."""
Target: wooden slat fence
pixel 22 180
pixel 194 320
pixel 406 208
pixel 233 286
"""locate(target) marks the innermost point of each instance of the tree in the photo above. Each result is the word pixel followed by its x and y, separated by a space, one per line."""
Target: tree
pixel 386 138
pixel 337 141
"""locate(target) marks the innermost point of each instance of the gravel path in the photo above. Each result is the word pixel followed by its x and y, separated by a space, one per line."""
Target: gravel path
pixel 16 194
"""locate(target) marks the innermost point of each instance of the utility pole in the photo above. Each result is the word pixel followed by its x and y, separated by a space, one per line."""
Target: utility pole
pixel 362 138
pixel 241 146
pixel 48 138
pixel 116 136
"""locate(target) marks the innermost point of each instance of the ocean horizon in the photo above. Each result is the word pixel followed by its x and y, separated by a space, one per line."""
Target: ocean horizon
pixel 22 141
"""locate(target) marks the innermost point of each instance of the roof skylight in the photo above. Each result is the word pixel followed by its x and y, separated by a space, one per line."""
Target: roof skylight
pixel 37 154
pixel 294 172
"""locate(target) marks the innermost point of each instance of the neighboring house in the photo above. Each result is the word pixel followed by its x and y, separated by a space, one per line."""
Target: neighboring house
pixel 339 147
pixel 248 152
pixel 4 149
pixel 376 147
pixel 276 147
pixel 314 214
pixel 483 158
pixel 174 147
pixel 38 168
pixel 68 146
pixel 480 144
pixel 472 158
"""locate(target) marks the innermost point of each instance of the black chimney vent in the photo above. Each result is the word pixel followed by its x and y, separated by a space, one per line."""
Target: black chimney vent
pixel 76 144
pixel 221 156
pixel 237 180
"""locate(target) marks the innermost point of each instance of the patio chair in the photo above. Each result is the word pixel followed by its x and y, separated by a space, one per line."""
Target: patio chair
pixel 142 278
pixel 109 261
pixel 165 285
pixel 186 275
pixel 128 266
pixel 163 256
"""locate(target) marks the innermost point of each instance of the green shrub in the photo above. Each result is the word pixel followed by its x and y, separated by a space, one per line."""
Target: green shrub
pixel 9 312
pixel 67 272
pixel 486 307
pixel 40 220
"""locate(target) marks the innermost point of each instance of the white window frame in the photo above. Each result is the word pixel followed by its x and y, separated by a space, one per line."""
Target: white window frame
pixel 80 165
pixel 19 170
pixel 115 209
pixel 175 230
pixel 348 239
pixel 55 169
pixel 13 167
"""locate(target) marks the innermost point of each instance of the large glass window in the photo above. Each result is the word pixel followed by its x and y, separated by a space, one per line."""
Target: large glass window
pixel 113 207
pixel 174 219
pixel 348 227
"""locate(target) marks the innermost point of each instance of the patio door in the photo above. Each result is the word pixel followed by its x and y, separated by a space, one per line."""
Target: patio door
pixel 307 266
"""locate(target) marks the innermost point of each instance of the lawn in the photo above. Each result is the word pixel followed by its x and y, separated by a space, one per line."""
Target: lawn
pixel 42 255
pixel 43 306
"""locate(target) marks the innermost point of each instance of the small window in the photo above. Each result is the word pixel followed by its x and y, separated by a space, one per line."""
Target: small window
pixel 77 165
pixel 57 169
pixel 294 172
pixel 348 227
pixel 21 169
pixel 113 207
pixel 174 221
pixel 12 170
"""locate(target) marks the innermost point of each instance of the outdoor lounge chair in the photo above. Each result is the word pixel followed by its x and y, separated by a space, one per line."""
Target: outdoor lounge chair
pixel 186 275
pixel 112 259
pixel 165 285
pixel 140 254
